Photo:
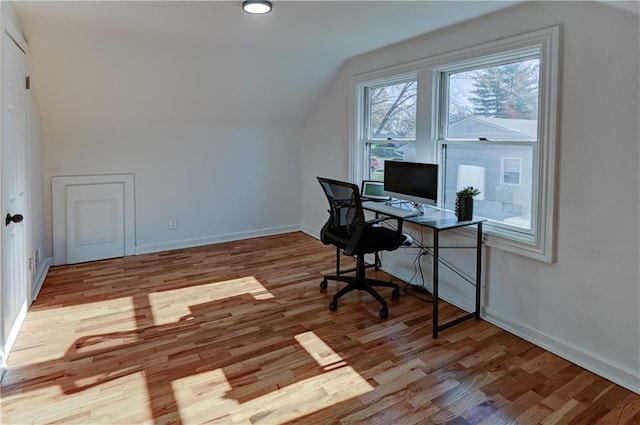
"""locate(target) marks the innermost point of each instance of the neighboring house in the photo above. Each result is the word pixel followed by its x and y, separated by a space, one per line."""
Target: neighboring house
pixel 494 129
pixel 502 173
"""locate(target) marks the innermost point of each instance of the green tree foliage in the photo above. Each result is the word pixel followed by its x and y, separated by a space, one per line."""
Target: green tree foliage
pixel 506 91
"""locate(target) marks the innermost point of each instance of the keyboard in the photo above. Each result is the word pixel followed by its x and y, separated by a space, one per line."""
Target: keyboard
pixel 384 208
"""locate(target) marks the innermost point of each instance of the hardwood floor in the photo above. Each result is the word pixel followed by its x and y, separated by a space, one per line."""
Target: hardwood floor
pixel 240 333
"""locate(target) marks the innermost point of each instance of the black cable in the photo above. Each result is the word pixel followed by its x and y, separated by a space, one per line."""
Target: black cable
pixel 425 250
pixel 417 265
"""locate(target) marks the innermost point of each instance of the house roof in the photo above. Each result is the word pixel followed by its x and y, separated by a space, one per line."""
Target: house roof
pixel 494 128
pixel 528 128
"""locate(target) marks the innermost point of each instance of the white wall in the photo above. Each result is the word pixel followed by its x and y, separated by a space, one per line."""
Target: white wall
pixel 325 151
pixel 36 188
pixel 586 306
pixel 220 183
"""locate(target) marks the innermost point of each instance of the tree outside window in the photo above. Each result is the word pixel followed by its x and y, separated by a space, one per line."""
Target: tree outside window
pixel 390 124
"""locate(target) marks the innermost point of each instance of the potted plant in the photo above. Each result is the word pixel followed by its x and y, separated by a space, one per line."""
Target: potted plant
pixel 464 202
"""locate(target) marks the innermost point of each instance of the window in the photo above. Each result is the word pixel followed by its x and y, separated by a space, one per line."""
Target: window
pixel 487 116
pixel 495 130
pixel 511 171
pixel 489 121
pixel 389 124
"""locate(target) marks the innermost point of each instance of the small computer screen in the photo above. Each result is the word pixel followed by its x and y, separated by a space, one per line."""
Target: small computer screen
pixel 372 189
pixel 411 181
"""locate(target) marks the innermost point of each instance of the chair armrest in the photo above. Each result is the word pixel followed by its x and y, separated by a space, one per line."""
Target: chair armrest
pixel 375 221
pixel 399 220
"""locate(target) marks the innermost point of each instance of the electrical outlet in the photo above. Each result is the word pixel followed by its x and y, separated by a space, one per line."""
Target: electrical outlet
pixel 173 224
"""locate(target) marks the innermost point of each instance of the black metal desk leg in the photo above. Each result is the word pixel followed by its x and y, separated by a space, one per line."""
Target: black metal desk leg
pixel 434 294
pixel 478 270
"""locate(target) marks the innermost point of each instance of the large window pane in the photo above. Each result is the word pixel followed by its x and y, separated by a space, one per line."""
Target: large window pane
pixel 482 166
pixel 494 103
pixel 392 111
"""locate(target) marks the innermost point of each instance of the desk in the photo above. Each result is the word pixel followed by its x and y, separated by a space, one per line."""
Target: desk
pixel 440 221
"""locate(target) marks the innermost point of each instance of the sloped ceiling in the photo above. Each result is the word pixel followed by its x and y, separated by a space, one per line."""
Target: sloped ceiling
pixel 180 64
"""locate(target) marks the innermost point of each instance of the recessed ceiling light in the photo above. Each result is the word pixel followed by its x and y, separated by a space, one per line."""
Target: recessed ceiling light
pixel 256 7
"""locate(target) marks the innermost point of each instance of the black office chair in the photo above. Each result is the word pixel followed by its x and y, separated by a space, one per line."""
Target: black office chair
pixel 348 230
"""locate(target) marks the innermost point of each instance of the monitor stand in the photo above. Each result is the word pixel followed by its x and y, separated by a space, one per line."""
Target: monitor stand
pixel 426 210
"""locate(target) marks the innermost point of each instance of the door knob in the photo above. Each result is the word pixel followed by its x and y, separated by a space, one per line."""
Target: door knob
pixel 15 218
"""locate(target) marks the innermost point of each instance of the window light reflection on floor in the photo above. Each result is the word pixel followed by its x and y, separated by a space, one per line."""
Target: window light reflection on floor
pixel 166 310
pixel 204 394
pixel 200 394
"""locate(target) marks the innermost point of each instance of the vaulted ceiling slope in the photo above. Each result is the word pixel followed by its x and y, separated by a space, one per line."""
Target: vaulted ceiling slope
pixel 182 64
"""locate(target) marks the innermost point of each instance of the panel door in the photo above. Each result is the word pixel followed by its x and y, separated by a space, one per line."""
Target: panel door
pixel 95 222
pixel 15 294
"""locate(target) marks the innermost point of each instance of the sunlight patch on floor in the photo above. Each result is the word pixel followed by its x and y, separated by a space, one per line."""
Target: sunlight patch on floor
pixel 165 310
pixel 204 396
pixel 91 405
pixel 87 319
pixel 321 352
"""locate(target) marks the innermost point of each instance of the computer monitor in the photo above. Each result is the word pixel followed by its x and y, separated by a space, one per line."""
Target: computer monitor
pixel 373 190
pixel 411 181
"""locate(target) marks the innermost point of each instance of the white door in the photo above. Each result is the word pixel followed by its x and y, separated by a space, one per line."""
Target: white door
pixel 95 222
pixel 15 278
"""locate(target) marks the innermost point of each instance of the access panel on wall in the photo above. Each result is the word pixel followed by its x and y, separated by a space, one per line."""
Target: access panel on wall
pixel 93 218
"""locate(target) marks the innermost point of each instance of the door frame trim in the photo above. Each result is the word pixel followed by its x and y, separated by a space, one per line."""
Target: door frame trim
pixel 59 223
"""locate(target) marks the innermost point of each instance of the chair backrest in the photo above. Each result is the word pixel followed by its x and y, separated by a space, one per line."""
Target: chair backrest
pixel 346 216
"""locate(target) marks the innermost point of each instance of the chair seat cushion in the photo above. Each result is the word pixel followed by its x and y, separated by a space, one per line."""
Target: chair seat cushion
pixel 377 238
pixel 374 238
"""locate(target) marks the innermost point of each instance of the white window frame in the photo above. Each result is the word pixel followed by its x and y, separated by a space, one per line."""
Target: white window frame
pixel 539 246
pixel 503 169
pixel 359 130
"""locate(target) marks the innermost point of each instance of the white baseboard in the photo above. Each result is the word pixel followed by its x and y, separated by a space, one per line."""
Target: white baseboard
pixel 208 240
pixel 13 332
pixel 41 274
pixel 38 281
pixel 617 373
pixel 606 368
pixel 314 233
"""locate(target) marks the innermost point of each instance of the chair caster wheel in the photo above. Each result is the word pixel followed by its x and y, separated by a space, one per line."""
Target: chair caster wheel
pixel 323 284
pixel 395 294
pixel 384 313
pixel 333 306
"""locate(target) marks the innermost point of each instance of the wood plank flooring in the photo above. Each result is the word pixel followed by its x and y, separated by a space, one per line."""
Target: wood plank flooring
pixel 240 333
